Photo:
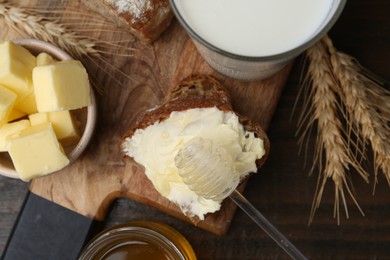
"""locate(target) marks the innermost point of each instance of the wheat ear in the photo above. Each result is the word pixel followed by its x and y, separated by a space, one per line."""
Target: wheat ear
pixel 44 29
pixel 330 146
pixel 368 106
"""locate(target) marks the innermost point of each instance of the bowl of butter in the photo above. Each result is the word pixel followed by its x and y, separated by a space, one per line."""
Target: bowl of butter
pixel 47 109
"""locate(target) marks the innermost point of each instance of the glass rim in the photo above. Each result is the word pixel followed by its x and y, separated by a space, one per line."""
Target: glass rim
pixel 156 233
pixel 136 232
pixel 280 56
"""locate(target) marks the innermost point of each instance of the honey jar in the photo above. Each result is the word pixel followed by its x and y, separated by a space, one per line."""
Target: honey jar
pixel 138 240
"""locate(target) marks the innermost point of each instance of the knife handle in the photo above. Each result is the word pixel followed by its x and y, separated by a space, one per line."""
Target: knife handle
pixel 45 230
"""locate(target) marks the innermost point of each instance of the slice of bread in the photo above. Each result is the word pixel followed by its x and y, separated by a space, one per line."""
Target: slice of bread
pixel 146 19
pixel 198 91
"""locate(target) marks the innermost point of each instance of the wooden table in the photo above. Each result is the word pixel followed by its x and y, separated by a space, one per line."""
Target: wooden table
pixel 283 191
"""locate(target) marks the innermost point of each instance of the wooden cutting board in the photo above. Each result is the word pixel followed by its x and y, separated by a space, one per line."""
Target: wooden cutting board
pixel 100 176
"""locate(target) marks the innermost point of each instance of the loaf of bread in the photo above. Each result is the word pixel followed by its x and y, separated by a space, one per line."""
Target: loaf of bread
pixel 146 19
pixel 159 133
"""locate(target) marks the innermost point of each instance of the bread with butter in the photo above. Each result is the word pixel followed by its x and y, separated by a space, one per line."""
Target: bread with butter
pixel 198 91
pixel 154 139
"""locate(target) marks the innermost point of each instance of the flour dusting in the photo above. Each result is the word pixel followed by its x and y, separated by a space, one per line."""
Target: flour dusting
pixel 135 7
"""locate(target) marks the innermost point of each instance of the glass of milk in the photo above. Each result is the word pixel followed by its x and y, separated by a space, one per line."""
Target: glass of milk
pixel 253 39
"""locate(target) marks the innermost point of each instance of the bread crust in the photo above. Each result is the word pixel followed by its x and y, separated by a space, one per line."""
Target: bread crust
pixel 146 19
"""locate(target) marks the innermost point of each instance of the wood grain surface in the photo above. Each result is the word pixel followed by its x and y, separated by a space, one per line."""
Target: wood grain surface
pixel 92 183
pixel 282 191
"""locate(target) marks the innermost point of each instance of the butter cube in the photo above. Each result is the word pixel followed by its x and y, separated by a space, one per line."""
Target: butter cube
pixel 61 86
pixel 7 101
pixel 28 104
pixel 15 114
pixel 35 151
pixel 16 65
pixel 44 59
pixel 39 118
pixel 9 129
pixel 63 125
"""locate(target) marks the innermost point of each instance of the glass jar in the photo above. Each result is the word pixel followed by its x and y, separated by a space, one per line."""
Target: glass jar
pixel 241 66
pixel 138 240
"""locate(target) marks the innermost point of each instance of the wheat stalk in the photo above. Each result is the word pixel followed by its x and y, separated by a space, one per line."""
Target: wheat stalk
pixel 337 89
pixel 368 106
pixel 28 22
pixel 38 27
pixel 321 107
pixel 48 31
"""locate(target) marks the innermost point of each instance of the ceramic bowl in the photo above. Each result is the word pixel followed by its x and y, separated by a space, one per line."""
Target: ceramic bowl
pixel 85 118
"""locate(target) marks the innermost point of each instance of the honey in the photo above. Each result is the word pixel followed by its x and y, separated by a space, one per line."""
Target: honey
pixel 138 240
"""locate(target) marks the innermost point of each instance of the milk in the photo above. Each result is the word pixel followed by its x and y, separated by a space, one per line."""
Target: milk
pixel 254 28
